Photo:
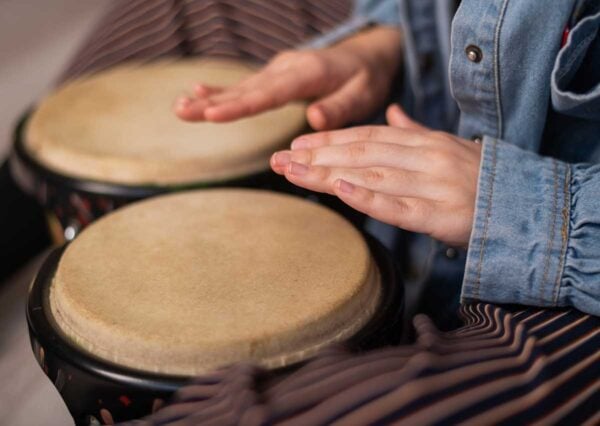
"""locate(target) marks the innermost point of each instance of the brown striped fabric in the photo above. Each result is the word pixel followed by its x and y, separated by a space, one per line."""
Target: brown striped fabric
pixel 144 30
pixel 504 366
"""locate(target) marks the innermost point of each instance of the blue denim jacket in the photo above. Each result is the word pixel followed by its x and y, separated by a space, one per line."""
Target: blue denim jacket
pixel 534 101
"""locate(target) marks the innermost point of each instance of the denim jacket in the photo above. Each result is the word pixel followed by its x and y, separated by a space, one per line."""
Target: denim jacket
pixel 522 77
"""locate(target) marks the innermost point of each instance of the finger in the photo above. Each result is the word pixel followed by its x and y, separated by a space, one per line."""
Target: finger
pixel 203 90
pixel 316 179
pixel 411 214
pixel 349 103
pixel 396 117
pixel 357 154
pixel 361 133
pixel 270 91
pixel 246 104
pixel 195 109
pixel 279 161
pixel 385 180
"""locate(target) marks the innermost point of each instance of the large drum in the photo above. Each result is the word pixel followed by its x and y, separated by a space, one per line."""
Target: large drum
pixel 183 284
pixel 107 139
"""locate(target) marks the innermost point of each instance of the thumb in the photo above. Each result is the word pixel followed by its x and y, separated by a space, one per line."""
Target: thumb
pixel 349 103
pixel 396 117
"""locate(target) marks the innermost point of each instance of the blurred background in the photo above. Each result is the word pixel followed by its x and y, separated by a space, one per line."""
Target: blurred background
pixel 37 37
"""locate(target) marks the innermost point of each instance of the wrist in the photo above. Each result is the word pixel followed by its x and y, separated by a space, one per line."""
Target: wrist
pixel 379 47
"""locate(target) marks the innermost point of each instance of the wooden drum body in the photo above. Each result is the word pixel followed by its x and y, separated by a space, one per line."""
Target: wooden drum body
pixel 72 203
pixel 106 377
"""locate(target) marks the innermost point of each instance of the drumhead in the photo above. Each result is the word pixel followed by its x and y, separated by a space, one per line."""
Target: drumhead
pixel 118 126
pixel 186 283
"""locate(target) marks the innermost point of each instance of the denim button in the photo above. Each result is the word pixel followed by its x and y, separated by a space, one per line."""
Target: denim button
pixel 451 253
pixel 477 139
pixel 474 53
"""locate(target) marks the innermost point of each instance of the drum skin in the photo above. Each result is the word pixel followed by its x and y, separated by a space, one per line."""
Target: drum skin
pixel 99 392
pixel 74 203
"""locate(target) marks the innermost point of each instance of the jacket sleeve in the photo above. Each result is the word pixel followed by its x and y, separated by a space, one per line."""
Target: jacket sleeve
pixel 365 14
pixel 536 232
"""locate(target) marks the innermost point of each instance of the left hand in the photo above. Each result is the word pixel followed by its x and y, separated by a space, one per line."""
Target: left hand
pixel 408 176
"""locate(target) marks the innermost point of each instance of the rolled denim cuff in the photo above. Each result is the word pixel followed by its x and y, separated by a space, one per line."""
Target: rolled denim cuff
pixel 520 235
pixel 580 284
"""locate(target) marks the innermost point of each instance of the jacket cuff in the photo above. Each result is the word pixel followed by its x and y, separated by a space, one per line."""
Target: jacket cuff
pixel 520 233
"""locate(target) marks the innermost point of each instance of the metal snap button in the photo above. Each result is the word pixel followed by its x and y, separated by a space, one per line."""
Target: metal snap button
pixel 71 231
pixel 451 253
pixel 477 139
pixel 474 53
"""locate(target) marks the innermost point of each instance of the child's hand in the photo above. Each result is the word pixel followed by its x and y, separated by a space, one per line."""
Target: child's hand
pixel 407 176
pixel 348 81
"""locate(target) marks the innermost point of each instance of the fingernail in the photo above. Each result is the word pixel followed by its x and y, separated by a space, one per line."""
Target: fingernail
pixel 282 158
pixel 297 169
pixel 318 118
pixel 323 111
pixel 183 102
pixel 300 143
pixel 346 187
pixel 202 90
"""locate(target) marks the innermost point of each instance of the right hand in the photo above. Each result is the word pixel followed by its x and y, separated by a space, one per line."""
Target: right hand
pixel 346 82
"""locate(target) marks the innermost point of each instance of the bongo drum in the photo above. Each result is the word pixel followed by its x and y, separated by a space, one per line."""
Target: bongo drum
pixel 107 139
pixel 182 284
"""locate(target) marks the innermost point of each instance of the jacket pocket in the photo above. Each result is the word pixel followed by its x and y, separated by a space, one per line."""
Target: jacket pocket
pixel 576 74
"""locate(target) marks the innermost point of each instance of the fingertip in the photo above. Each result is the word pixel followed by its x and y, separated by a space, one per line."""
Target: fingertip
pixel 344 187
pixel 275 166
pixel 317 117
pixel 214 114
pixel 204 90
pixel 223 113
pixel 272 161
pixel 301 142
pixel 394 107
pixel 182 103
pixel 281 159
pixel 394 115
pixel 201 90
pixel 397 117
pixel 183 109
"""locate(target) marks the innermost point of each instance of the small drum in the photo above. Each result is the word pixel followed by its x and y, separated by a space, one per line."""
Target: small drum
pixel 111 138
pixel 183 284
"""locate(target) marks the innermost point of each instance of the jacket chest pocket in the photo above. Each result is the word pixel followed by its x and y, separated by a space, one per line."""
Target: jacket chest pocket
pixel 576 73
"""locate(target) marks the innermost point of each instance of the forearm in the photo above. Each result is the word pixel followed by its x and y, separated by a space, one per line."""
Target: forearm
pixel 380 46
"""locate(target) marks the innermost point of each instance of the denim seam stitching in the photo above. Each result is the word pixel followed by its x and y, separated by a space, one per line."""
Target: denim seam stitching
pixel 487 218
pixel 565 231
pixel 499 118
pixel 548 256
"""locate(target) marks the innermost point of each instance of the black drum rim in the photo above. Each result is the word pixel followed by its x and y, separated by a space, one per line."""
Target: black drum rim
pixel 96 187
pixel 42 330
pixel 52 341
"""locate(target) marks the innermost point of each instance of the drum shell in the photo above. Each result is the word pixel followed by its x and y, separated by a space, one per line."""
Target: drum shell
pixel 92 387
pixel 73 203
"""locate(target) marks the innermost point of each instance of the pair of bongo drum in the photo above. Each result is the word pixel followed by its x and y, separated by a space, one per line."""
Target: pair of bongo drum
pixel 184 283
